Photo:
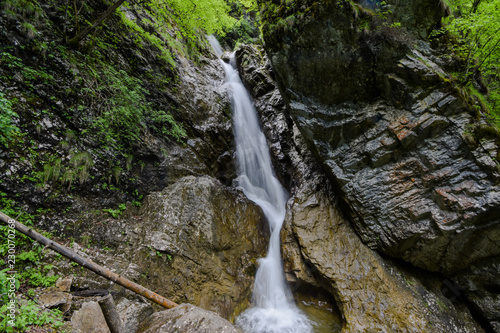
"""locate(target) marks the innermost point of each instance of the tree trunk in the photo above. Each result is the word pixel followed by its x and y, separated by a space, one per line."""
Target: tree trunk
pixel 75 40
pixel 102 271
pixel 475 6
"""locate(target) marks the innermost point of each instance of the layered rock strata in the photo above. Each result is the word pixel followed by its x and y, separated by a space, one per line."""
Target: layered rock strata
pixel 320 248
pixel 394 135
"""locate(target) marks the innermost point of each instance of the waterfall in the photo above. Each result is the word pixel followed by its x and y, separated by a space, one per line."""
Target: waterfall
pixel 274 310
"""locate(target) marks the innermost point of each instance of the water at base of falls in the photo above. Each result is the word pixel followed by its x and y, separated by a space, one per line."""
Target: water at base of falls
pixel 274 310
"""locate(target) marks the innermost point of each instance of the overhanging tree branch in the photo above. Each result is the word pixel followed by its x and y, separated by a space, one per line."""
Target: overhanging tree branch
pixel 77 39
pixel 489 54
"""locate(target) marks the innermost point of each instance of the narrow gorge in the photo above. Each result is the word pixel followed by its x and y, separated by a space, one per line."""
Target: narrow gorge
pixel 325 170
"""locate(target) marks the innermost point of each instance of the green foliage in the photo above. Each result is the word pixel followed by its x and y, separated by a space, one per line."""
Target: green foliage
pixel 116 213
pixel 28 256
pixel 250 5
pixel 122 108
pixel 28 12
pixel 475 31
pixel 122 111
pixel 156 38
pixel 31 314
pixel 29 74
pixel 7 129
pixel 38 278
pixel 9 207
pixel 166 124
pixel 77 168
pixel 120 102
pixel 246 28
pixel 211 16
pixel 29 274
pixel 5 282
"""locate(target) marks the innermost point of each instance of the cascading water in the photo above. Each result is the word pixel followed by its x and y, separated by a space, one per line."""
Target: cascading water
pixel 274 310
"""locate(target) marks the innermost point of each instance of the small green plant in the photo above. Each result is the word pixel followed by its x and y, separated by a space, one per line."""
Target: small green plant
pixel 30 273
pixel 116 213
pixel 37 278
pixel 474 44
pixel 31 314
pixel 441 305
pixel 28 29
pixel 4 285
pixel 166 124
pixel 8 131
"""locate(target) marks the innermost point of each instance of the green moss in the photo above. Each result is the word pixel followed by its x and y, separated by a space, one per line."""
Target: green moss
pixel 482 131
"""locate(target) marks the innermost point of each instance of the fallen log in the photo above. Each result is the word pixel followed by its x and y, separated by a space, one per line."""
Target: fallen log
pixel 89 264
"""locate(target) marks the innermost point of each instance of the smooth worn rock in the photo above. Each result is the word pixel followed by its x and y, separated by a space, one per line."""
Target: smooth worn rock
pixel 89 319
pixel 186 318
pixel 196 241
pixel 133 312
pixel 373 294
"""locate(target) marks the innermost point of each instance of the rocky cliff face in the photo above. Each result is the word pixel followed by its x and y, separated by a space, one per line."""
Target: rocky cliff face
pixel 65 159
pixel 322 252
pixel 378 149
pixel 374 103
pixel 197 241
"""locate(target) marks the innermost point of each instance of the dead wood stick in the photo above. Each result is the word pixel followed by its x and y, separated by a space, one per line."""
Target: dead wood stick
pixel 89 264
pixel 110 314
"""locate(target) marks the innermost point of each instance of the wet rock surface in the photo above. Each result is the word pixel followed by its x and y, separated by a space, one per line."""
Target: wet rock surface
pixel 59 128
pixel 396 138
pixel 196 241
pixel 416 189
pixel 322 250
pixel 480 283
pixel 399 300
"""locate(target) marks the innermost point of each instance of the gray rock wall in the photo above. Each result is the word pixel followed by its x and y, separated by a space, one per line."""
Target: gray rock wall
pixel 393 133
pixel 321 250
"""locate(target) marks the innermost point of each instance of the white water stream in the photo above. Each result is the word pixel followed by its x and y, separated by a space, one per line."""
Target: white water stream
pixel 274 310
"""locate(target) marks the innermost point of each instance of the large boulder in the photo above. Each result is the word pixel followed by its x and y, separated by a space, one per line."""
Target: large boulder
pixel 373 294
pixel 196 241
pixel 89 319
pixel 186 318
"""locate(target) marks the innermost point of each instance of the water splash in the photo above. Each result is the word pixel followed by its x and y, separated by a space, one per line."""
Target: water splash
pixel 214 43
pixel 274 310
